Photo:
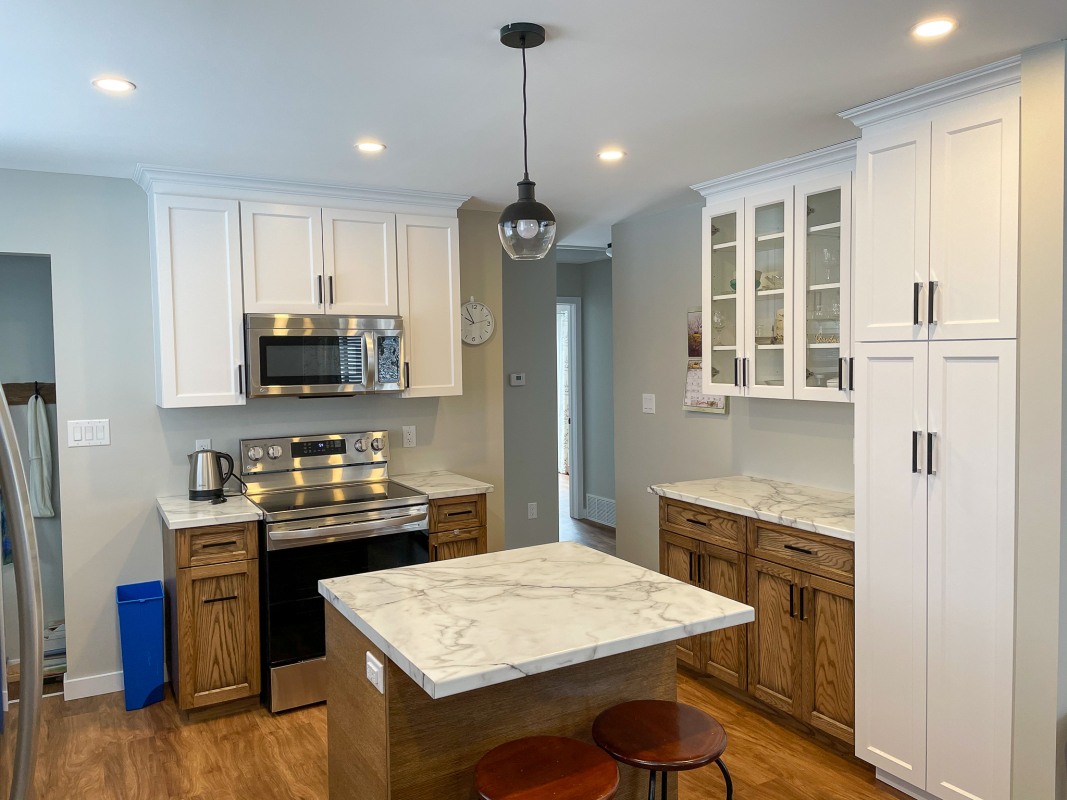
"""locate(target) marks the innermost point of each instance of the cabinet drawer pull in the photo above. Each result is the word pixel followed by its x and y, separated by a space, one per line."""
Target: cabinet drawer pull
pixel 220 599
pixel 792 613
pixel 466 513
pixel 797 549
pixel 695 522
pixel 217 544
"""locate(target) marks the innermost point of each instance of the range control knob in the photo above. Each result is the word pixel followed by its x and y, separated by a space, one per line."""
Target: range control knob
pixel 274 451
pixel 377 443
pixel 255 453
pixel 361 445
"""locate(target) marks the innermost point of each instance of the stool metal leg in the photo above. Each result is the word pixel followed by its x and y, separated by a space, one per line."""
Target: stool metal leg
pixel 664 795
pixel 726 777
pixel 652 785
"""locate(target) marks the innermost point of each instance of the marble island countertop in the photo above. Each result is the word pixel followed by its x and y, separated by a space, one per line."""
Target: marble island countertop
pixel 461 624
pixel 803 507
pixel 440 484
pixel 181 512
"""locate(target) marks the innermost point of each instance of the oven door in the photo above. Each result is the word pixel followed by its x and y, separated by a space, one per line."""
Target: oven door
pixel 295 361
pixel 343 527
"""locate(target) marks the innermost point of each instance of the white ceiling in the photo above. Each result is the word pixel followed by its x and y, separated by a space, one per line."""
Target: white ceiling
pixel 690 89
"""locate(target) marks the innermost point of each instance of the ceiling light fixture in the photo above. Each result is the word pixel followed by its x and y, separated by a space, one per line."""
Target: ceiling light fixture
pixel 114 85
pixel 370 147
pixel 934 27
pixel 611 155
pixel 527 228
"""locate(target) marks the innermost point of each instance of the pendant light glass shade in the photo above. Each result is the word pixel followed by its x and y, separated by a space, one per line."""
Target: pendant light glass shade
pixel 527 228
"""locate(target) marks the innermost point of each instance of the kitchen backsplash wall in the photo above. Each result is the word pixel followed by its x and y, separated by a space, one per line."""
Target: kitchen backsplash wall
pixel 655 278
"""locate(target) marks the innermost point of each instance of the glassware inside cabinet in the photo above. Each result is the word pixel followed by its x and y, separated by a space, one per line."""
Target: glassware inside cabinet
pixel 723 297
pixel 823 284
pixel 771 337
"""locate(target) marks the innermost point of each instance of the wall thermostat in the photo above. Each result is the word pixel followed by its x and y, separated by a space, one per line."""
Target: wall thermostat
pixel 518 378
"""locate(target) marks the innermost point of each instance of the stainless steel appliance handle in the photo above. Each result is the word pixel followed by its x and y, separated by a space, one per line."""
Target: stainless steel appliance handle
pixel 387 522
pixel 31 612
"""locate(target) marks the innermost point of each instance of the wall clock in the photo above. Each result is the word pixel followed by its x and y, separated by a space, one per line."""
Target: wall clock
pixel 478 322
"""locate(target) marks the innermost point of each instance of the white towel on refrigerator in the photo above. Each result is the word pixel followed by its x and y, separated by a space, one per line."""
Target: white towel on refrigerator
pixel 40 459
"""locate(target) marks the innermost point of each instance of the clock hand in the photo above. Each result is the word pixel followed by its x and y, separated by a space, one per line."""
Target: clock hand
pixel 470 318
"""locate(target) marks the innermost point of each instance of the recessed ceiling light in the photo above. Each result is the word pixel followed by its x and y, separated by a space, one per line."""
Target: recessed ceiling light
pixel 370 147
pixel 114 85
pixel 611 155
pixel 934 27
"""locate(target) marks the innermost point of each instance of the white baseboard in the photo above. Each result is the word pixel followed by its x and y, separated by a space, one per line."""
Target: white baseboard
pixel 91 685
pixel 600 509
pixel 902 785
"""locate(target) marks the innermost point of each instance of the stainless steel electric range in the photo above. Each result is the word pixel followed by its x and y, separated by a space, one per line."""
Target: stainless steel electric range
pixel 329 510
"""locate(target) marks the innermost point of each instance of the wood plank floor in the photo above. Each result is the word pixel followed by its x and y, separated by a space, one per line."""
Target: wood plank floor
pixel 93 748
pixel 591 534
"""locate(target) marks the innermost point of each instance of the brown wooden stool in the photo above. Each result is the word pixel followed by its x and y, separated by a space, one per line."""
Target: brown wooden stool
pixel 544 768
pixel 660 735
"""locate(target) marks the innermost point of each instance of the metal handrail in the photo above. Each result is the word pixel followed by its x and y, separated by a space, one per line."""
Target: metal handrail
pixel 28 592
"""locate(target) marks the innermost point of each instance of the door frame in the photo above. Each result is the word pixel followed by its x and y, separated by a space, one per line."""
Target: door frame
pixel 577 460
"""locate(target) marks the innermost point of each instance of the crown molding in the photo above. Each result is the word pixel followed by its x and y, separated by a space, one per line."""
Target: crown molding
pixel 966 84
pixel 154 179
pixel 843 154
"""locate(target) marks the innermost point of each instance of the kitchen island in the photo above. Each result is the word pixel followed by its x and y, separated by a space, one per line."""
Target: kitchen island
pixel 481 650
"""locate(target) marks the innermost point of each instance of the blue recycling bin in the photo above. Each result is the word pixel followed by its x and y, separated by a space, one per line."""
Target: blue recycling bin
pixel 141 633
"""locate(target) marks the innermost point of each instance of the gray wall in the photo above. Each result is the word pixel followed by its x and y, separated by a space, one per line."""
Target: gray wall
pixel 592 282
pixel 655 278
pixel 96 232
pixel 529 303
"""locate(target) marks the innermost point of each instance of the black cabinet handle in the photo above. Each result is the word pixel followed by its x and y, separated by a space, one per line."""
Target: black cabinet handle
pixel 695 521
pixel 700 570
pixel 796 549
pixel 220 599
pixel 792 613
pixel 320 290
pixel 735 371
pixel 690 566
pixel 458 513
pixel 930 303
pixel 217 544
pixel 930 437
pixel 240 380
pixel 852 374
pixel 915 303
pixel 841 374
pixel 744 371
pixel 915 437
pixel 407 375
pixel 802 617
pixel 331 290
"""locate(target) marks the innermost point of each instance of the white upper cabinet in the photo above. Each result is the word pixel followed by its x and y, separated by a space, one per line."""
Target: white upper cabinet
pixel 892 233
pixel 822 334
pixel 196 281
pixel 974 220
pixel 723 263
pixel 282 259
pixel 359 254
pixel 429 292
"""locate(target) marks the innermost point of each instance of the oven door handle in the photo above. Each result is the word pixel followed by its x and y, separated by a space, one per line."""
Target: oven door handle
pixel 391 522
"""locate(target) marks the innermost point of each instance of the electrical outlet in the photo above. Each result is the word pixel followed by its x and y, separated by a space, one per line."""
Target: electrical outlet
pixel 203 444
pixel 375 673
pixel 531 511
pixel 409 436
pixel 648 403
pixel 88 432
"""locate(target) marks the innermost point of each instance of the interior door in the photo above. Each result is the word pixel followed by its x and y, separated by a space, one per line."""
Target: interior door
pixel 281 256
pixel 774 644
pixel 359 258
pixel 724 572
pixel 722 324
pixel 972 568
pixel 891 505
pixel 892 233
pixel 679 558
pixel 974 220
pixel 828 617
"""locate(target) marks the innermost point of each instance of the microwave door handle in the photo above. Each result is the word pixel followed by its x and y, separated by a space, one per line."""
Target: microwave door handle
pixel 370 361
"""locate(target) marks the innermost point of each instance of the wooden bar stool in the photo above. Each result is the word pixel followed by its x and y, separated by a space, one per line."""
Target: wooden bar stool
pixel 546 768
pixel 660 735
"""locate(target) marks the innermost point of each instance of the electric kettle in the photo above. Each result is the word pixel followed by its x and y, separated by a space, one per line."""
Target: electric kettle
pixel 206 477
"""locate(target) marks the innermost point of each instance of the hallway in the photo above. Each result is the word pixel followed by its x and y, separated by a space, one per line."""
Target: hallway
pixel 591 534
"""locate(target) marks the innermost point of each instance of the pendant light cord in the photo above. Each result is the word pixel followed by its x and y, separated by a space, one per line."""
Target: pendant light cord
pixel 525 144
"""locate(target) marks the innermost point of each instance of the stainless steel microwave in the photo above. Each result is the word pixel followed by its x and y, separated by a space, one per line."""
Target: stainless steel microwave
pixel 323 355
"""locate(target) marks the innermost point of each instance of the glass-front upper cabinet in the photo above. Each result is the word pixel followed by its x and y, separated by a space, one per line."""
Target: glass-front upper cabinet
pixel 767 366
pixel 723 298
pixel 823 327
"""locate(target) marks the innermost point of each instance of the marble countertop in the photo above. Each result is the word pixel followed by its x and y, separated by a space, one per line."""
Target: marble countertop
pixel 441 483
pixel 470 622
pixel 803 507
pixel 181 512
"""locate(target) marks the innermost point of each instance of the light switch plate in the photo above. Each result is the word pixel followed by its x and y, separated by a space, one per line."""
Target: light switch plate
pixel 531 511
pixel 88 432
pixel 203 444
pixel 517 378
pixel 409 436
pixel 648 403
pixel 375 673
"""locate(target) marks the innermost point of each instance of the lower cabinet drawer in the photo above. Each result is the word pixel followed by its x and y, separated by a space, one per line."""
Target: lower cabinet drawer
pixel 217 544
pixel 705 524
pixel 457 512
pixel 458 543
pixel 811 552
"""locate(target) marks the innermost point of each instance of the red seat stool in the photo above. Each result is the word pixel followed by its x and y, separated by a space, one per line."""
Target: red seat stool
pixel 546 768
pixel 662 736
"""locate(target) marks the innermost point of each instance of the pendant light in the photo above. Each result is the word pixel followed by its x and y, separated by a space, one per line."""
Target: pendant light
pixel 527 228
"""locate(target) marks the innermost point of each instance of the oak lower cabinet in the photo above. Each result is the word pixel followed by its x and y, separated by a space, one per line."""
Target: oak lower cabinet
pixel 457 527
pixel 211 583
pixel 679 558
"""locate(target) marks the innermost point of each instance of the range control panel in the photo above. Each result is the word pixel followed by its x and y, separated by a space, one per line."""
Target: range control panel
pixel 289 453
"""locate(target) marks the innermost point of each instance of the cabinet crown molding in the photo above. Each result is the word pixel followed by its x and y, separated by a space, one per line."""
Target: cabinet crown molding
pixel 177 180
pixel 843 154
pixel 930 95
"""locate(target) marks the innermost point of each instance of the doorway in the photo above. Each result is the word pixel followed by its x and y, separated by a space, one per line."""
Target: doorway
pixel 569 454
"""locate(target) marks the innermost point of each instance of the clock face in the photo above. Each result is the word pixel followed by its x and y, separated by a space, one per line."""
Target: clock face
pixel 478 323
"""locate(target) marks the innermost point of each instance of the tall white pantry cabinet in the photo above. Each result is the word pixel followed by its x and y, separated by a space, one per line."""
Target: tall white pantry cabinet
pixel 937 208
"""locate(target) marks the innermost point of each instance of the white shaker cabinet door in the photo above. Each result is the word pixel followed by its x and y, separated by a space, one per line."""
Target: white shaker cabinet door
pixel 891 507
pixel 196 282
pixel 428 285
pixel 722 325
pixel 359 255
pixel 282 259
pixel 892 234
pixel 974 220
pixel 972 566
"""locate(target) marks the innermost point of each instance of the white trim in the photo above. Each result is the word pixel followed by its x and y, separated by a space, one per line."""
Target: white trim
pixel 902 785
pixel 577 460
pixel 843 154
pixel 175 180
pixel 966 84
pixel 92 685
